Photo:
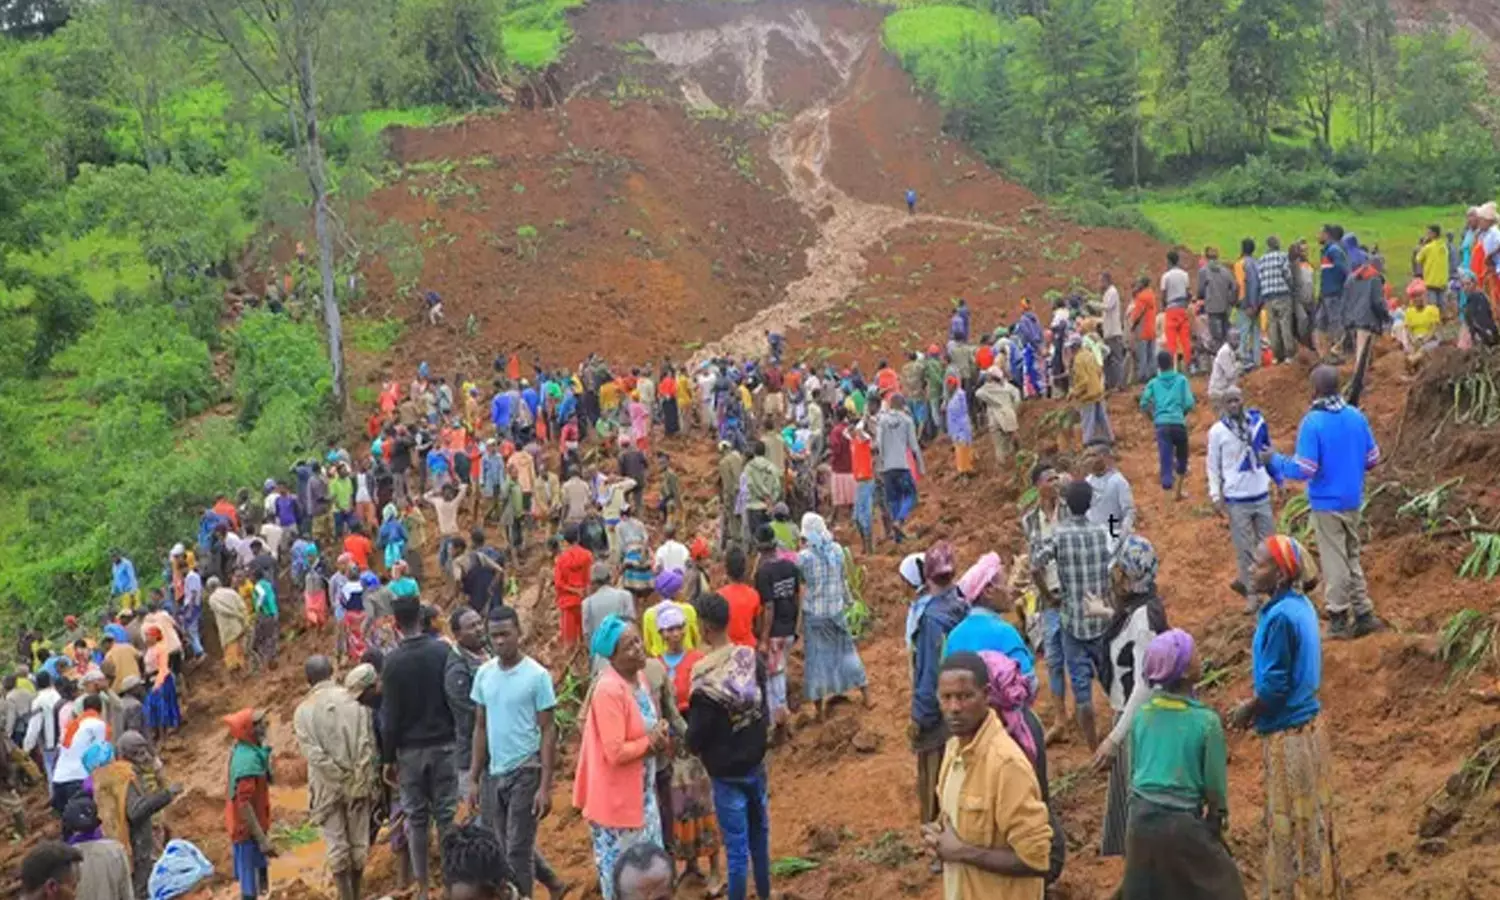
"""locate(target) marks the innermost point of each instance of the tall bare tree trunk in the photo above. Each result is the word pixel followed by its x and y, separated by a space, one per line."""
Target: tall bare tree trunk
pixel 317 179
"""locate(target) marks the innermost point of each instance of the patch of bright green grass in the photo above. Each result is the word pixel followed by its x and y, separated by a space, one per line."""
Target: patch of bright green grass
pixel 930 39
pixel 533 35
pixel 102 262
pixel 1395 231
pixel 373 335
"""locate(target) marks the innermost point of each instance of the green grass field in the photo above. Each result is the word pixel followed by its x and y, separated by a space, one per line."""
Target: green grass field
pixel 1394 230
pixel 928 41
pixel 103 262
pixel 534 34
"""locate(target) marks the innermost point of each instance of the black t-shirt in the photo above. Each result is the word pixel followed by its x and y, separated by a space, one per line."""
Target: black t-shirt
pixel 480 581
pixel 401 455
pixel 777 581
pixel 633 465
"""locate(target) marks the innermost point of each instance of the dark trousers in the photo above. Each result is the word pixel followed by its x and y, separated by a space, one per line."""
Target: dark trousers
pixel 429 790
pixel 900 493
pixel 507 809
pixel 1171 446
pixel 1218 328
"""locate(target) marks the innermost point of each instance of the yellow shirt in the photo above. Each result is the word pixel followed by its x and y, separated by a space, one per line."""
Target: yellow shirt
pixel 1433 258
pixel 656 645
pixel 1421 323
pixel 996 802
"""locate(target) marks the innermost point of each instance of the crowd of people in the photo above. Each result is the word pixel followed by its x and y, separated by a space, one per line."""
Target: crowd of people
pixel 688 683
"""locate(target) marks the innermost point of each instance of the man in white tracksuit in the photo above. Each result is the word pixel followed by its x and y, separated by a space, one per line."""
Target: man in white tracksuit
pixel 1240 485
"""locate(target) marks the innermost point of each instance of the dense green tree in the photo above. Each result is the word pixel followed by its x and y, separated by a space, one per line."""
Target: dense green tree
pixel 1366 30
pixel 1325 77
pixel 449 51
pixel 1266 55
pixel 1440 81
pixel 1182 29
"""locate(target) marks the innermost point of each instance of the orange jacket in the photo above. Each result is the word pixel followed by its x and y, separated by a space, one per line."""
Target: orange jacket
pixel 608 787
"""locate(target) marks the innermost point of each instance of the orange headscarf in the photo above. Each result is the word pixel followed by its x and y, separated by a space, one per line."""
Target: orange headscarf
pixel 241 725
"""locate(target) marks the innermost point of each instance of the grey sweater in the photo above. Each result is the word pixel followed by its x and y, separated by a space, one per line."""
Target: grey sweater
pixel 1217 288
pixel 895 434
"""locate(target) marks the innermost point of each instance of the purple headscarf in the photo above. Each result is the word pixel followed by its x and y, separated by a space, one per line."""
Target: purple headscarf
pixel 1167 657
pixel 1010 693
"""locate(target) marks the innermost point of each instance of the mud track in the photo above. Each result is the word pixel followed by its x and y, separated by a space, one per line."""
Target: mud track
pixel 801 149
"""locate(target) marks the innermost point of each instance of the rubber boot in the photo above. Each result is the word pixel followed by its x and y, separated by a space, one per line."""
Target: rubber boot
pixel 343 882
pixel 356 882
pixel 1339 628
pixel 1364 624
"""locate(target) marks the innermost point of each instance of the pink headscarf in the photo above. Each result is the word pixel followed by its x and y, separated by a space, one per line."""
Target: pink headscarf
pixel 1010 694
pixel 981 575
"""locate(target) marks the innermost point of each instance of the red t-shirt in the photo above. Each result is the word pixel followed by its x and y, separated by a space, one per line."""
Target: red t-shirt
pixel 359 547
pixel 744 603
pixel 984 357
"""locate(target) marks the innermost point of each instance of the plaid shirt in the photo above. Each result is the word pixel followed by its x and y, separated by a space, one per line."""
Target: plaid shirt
pixel 1082 554
pixel 826 593
pixel 1275 274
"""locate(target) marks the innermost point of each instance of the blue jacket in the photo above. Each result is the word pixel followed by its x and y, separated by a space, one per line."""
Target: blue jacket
pixel 1287 663
pixel 1333 271
pixel 122 577
pixel 1334 449
pixel 1168 397
pixel 942 614
pixel 532 399
pixel 985 629
pixel 501 410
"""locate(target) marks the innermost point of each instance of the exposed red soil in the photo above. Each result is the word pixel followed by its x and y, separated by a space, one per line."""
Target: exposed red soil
pixel 717 245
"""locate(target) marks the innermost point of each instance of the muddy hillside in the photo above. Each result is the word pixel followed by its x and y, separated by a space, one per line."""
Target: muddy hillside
pixel 714 171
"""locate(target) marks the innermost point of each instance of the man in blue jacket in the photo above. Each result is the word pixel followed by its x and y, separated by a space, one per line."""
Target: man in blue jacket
pixel 1335 448
pixel 938 611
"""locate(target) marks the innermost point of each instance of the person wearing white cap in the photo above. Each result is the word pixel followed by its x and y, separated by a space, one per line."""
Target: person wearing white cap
pixel 1486 254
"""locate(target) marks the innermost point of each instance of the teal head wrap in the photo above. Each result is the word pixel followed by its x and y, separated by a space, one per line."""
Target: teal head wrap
pixel 607 636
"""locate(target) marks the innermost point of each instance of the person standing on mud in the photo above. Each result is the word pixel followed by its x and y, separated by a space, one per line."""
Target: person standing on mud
pixel 1239 485
pixel 911 201
pixel 897 449
pixel 994 840
pixel 936 614
pixel 1335 447
pixel 514 751
pixel 417 743
pixel 337 739
pixel 1287 667
pixel 1168 398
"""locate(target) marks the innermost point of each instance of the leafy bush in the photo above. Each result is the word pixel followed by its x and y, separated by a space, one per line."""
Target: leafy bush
pixel 144 355
pixel 275 357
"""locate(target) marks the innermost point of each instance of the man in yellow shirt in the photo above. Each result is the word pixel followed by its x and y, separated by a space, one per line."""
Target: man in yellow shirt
pixel 1432 259
pixel 1422 321
pixel 993 837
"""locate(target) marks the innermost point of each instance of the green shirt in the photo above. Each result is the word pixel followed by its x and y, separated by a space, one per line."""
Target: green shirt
pixel 265 600
pixel 1177 754
pixel 341 490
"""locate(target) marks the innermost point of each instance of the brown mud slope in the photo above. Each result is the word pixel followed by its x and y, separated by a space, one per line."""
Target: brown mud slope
pixel 720 168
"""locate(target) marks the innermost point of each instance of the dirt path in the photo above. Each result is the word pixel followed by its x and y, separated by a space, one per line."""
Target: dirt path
pixel 800 148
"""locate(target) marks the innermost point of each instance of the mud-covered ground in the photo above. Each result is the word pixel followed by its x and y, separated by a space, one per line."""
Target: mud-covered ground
pixel 720 169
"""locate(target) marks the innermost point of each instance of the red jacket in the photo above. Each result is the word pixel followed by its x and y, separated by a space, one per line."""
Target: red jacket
pixel 570 576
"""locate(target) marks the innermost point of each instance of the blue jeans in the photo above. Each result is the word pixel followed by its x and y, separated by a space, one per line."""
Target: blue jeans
pixel 1052 649
pixel 864 507
pixel 743 810
pixel 900 493
pixel 1085 660
pixel 919 413
pixel 1250 340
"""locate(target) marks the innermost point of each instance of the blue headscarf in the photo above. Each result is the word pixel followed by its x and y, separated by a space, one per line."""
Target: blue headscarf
pixel 117 633
pixel 607 636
